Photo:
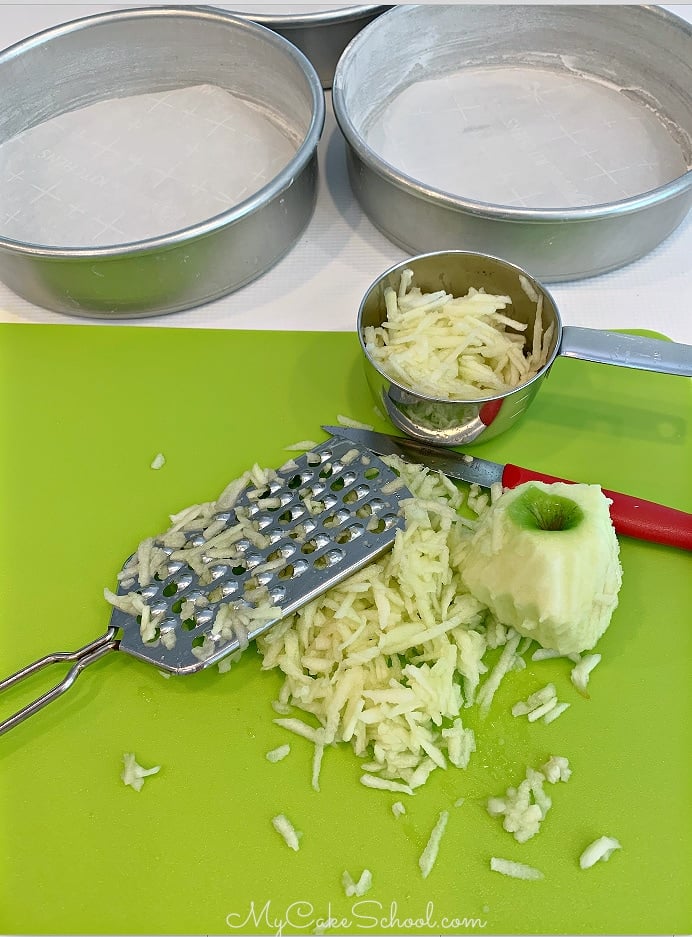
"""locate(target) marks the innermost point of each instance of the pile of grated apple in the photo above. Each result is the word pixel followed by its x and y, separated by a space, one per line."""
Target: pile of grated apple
pixel 390 659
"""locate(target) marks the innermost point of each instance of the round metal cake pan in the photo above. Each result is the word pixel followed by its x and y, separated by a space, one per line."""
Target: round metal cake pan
pixel 558 137
pixel 321 31
pixel 156 49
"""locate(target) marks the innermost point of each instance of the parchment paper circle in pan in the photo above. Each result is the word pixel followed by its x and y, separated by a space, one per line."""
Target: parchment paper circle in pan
pixel 558 137
pixel 125 214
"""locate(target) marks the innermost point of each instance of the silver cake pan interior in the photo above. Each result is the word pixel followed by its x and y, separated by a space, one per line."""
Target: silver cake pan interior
pixel 320 30
pixel 558 137
pixel 152 159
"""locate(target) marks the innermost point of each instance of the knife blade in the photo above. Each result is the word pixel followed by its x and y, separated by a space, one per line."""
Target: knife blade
pixel 631 516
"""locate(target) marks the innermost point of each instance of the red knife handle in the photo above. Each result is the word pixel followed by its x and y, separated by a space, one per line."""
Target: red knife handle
pixel 632 517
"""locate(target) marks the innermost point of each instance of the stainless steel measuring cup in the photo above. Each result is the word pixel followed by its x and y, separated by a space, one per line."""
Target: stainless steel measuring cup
pixel 451 422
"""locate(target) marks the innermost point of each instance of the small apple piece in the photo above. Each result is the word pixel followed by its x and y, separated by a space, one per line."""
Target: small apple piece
pixel 545 560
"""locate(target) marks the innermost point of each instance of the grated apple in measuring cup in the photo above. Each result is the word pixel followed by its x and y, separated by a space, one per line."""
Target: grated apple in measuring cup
pixel 456 348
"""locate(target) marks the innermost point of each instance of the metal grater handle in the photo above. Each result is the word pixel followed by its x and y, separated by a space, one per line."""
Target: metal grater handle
pixel 82 658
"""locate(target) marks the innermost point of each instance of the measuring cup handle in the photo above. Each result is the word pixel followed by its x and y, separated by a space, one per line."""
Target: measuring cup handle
pixel 627 351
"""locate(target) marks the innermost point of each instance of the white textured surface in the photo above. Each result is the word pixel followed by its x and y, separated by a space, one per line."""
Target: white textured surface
pixel 320 283
pixel 137 167
pixel 526 136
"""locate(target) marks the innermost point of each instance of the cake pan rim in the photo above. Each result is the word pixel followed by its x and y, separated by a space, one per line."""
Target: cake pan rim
pixel 345 14
pixel 495 210
pixel 215 223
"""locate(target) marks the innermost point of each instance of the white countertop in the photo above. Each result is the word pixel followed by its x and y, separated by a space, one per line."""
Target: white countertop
pixel 318 285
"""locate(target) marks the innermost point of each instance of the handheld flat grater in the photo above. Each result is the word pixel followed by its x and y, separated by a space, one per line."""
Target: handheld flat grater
pixel 197 595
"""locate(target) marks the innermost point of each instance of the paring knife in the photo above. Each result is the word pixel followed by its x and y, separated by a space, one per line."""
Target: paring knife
pixel 632 517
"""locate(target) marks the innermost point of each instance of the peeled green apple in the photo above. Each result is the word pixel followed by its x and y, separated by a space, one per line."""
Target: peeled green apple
pixel 545 559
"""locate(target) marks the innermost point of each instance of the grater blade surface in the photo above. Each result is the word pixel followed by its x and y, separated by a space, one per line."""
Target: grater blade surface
pixel 319 519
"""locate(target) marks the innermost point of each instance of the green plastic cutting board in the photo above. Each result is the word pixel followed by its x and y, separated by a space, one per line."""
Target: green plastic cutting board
pixel 84 412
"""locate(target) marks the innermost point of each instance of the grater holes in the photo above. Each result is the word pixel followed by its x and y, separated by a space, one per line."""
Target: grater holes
pixel 371 473
pixel 370 508
pixel 336 519
pixel 264 521
pixel 189 624
pixel 154 639
pixel 311 491
pixel 204 617
pixel 295 481
pixel 356 494
pixel 277 594
pixel 293 570
pixel 173 567
pixel 349 534
pixel 252 560
pixel 216 594
pixel 348 478
pixel 272 504
pixel 258 493
pixel 317 543
pixel 326 471
pixel 294 513
pixel 184 582
pixel 314 458
pixel 176 585
pixel 303 530
pixel 283 552
pixel 168 634
pixel 331 558
pixel 378 525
